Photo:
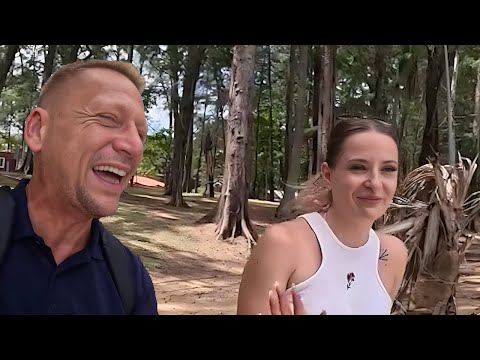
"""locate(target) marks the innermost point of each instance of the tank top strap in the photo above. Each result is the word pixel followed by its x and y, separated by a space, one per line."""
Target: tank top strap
pixel 320 228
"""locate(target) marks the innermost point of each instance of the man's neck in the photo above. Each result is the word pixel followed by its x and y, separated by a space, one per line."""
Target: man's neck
pixel 62 228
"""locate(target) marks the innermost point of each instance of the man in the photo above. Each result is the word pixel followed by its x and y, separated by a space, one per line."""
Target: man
pixel 87 135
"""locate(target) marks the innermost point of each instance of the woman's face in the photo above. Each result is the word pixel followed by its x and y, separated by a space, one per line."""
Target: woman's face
pixel 364 178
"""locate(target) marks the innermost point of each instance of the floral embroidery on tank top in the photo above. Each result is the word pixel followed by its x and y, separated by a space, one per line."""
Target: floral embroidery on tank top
pixel 350 280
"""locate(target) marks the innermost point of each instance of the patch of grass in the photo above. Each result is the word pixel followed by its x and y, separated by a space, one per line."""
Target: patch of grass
pixel 5 180
pixel 264 203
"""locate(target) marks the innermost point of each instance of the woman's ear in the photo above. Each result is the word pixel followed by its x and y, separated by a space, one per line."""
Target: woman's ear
pixel 326 174
pixel 35 126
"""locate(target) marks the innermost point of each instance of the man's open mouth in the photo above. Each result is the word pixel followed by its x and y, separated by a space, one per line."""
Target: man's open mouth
pixel 109 174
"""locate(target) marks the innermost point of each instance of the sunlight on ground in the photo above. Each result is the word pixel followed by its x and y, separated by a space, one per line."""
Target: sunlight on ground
pixel 192 272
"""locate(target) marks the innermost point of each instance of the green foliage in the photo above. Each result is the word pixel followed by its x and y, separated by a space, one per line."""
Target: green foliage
pixel 156 153
pixel 219 56
pixel 404 74
pixel 352 91
pixel 279 58
pixel 13 142
pixel 16 100
pixel 465 100
pixel 149 97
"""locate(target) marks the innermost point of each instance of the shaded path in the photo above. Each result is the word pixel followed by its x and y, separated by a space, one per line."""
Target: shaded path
pixel 468 293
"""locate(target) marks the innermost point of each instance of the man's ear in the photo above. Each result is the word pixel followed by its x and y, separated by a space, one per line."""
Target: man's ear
pixel 35 127
pixel 325 169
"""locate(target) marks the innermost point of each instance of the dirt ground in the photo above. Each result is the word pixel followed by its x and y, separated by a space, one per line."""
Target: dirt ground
pixel 192 272
pixel 468 293
pixel 195 274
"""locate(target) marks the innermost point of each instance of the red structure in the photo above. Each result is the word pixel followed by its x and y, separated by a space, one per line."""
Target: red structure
pixel 7 161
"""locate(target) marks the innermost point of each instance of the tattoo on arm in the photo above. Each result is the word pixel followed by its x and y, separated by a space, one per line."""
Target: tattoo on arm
pixel 384 255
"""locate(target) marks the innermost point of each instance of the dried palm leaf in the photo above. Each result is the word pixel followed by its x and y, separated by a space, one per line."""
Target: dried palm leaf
pixel 432 213
pixel 431 235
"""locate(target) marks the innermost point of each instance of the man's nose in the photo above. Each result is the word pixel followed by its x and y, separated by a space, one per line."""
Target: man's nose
pixel 129 141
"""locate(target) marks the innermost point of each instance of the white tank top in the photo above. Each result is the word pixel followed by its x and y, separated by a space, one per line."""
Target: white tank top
pixel 347 282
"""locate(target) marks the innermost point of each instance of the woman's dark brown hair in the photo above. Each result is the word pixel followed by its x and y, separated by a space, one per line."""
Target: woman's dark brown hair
pixel 314 194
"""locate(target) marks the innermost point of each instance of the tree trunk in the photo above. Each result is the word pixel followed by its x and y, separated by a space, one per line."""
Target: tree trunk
pixel 317 105
pixel 72 54
pixel 209 163
pixel 49 60
pixel 174 62
pixel 187 174
pixel 327 94
pixel 283 210
pixel 476 126
pixel 6 64
pixel 435 68
pixel 451 90
pixel 292 70
pixel 199 165
pixel 271 187
pixel 396 107
pixel 231 213
pixel 222 99
pixel 254 192
pixel 130 54
pixel 192 70
pixel 379 102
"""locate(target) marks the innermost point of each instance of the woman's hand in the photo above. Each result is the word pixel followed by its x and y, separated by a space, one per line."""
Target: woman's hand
pixel 286 303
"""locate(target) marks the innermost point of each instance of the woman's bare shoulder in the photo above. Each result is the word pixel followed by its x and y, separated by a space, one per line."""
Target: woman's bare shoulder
pixel 273 259
pixel 286 232
pixel 394 253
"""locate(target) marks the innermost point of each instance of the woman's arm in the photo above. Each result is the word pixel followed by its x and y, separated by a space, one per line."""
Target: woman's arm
pixel 399 258
pixel 272 260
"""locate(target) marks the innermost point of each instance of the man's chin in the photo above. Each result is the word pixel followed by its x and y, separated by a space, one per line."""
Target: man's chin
pixel 100 208
pixel 107 209
pixel 103 214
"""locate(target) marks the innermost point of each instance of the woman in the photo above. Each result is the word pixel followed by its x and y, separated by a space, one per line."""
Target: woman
pixel 330 260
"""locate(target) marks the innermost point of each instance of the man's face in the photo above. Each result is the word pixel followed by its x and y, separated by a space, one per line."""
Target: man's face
pixel 93 143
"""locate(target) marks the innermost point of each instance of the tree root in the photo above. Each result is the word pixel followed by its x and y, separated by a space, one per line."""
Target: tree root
pixel 248 234
pixel 207 218
pixel 175 203
pixel 176 200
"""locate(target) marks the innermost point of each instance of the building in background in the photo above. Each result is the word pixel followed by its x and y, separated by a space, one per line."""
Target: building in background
pixel 7 161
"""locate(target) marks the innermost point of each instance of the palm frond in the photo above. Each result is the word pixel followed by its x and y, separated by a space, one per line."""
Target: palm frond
pixel 432 213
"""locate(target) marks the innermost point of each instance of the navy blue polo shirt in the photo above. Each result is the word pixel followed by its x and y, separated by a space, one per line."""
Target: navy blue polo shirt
pixel 31 282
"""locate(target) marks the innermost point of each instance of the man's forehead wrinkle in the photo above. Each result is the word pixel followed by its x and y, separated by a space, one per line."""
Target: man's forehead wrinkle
pixel 107 100
pixel 73 91
pixel 83 111
pixel 112 103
